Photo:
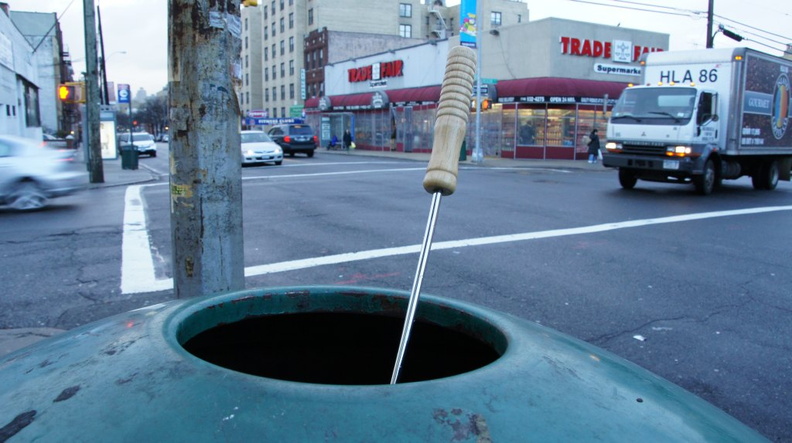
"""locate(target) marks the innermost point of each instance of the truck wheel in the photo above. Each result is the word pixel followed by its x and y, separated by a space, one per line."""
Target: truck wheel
pixel 705 182
pixel 627 178
pixel 767 177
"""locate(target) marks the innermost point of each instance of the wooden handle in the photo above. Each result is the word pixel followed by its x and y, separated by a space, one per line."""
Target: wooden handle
pixel 451 123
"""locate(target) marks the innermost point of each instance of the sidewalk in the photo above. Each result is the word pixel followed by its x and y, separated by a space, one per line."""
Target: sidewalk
pixel 114 175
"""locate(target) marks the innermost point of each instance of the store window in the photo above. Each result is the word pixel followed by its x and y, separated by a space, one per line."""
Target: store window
pixel 405 31
pixel 530 127
pixel 405 10
pixel 560 127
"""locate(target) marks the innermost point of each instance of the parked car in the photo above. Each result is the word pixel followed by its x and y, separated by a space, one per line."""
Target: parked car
pixel 257 147
pixel 294 138
pixel 31 173
pixel 143 142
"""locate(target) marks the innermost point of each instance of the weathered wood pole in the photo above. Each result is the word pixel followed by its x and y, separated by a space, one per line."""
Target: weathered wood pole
pixel 204 42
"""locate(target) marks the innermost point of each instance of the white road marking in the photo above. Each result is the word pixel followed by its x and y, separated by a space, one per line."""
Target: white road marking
pixel 137 265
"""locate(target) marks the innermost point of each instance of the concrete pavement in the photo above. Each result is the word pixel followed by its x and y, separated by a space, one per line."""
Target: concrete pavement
pixel 114 175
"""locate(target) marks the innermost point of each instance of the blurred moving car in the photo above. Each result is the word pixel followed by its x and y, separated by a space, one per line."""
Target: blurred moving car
pixel 294 138
pixel 143 142
pixel 257 147
pixel 32 173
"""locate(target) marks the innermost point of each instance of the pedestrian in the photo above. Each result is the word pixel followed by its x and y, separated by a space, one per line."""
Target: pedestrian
pixel 593 146
pixel 527 134
pixel 347 139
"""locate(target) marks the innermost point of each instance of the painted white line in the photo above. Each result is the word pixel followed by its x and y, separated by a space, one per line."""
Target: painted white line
pixel 149 284
pixel 137 263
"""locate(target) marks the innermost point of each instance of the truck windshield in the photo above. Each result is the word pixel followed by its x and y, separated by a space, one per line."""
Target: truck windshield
pixel 658 106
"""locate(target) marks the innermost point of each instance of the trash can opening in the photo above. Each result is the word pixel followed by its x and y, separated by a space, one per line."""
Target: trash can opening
pixel 322 341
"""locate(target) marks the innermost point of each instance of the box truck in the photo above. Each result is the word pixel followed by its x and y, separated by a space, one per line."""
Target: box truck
pixel 703 116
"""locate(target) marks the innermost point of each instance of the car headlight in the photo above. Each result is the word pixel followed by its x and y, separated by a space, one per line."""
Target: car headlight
pixel 278 150
pixel 678 151
pixel 247 152
pixel 613 146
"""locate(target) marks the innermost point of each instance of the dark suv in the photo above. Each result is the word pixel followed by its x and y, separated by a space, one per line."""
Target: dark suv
pixel 294 138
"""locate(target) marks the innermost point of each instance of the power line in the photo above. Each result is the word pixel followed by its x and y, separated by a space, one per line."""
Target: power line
pixel 631 8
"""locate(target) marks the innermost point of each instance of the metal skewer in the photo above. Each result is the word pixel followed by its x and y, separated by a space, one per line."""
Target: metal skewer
pixel 441 173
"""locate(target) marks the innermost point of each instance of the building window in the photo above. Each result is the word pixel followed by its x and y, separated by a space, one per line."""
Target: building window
pixel 274 53
pixel 495 18
pixel 321 57
pixel 247 61
pixel 283 112
pixel 246 24
pixel 274 72
pixel 247 79
pixel 291 67
pixel 405 10
pixel 266 95
pixel 266 54
pixel 283 47
pixel 266 32
pixel 246 42
pixel 283 92
pixel 405 31
pixel 310 16
pixel 282 25
pixel 519 18
pixel 291 90
pixel 283 70
pixel 247 97
pixel 266 74
pixel 273 29
pixel 291 44
pixel 272 7
pixel 291 20
pixel 274 94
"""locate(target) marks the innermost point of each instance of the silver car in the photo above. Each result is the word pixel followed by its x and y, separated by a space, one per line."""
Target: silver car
pixel 257 147
pixel 32 173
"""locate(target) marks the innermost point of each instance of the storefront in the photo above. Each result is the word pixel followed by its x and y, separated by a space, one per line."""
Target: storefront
pixel 543 96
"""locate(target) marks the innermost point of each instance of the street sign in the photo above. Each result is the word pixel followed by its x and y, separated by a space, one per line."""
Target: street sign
pixel 124 95
pixel 489 81
pixel 484 89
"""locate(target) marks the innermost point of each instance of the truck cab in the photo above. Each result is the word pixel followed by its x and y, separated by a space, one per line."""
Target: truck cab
pixel 665 133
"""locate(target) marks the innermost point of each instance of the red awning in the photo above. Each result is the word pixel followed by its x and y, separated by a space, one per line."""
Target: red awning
pixel 351 100
pixel 559 87
pixel 415 95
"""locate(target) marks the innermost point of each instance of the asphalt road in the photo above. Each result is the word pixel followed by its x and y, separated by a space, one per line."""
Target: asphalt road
pixel 695 289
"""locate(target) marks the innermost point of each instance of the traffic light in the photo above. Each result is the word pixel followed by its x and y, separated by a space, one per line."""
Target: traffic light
pixel 66 93
pixel 486 104
pixel 249 2
pixel 71 92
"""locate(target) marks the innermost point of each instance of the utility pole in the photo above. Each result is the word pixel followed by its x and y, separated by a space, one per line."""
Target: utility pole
pixel 103 68
pixel 204 62
pixel 91 131
pixel 710 35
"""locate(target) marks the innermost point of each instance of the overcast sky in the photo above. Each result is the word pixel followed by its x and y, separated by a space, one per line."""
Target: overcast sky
pixel 136 40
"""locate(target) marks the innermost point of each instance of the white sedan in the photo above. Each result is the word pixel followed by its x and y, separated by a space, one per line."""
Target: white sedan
pixel 257 147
